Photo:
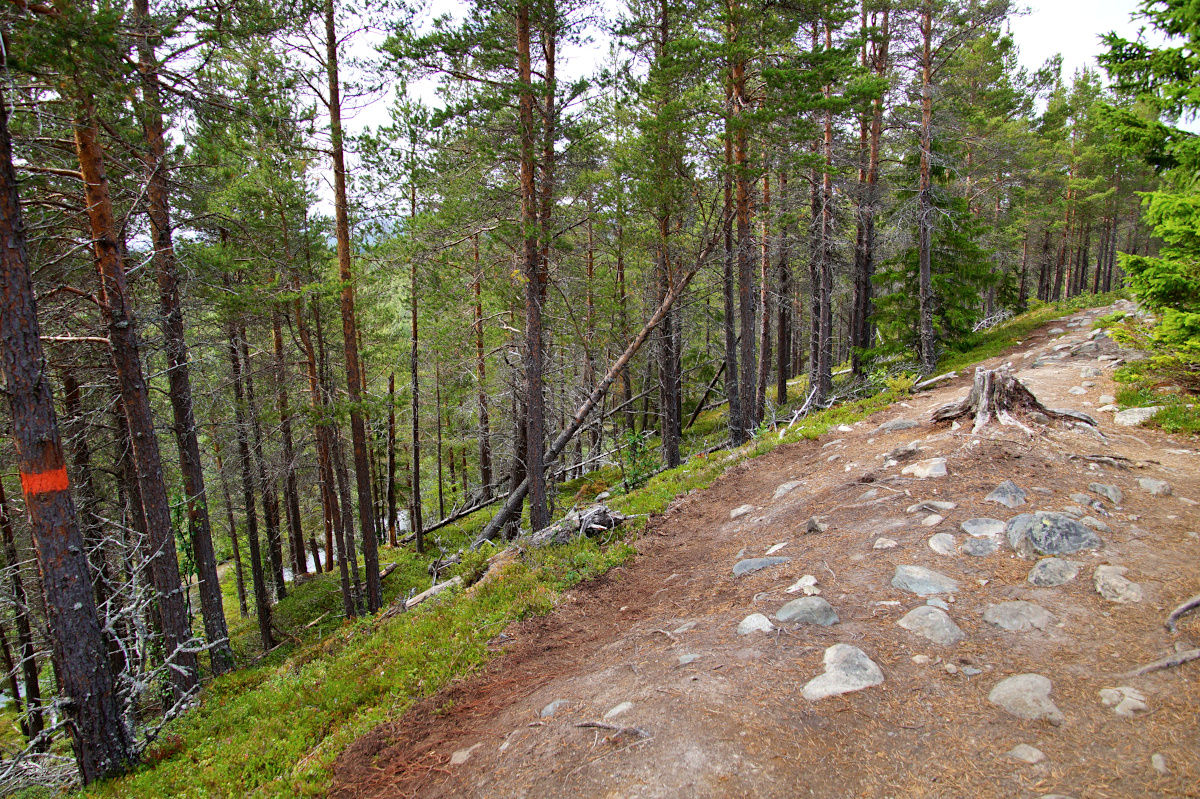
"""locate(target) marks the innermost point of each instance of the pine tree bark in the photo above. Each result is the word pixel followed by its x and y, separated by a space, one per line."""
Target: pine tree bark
pixel 358 430
pixel 238 571
pixel 926 334
pixel 485 437
pixel 102 744
pixel 741 173
pixel 291 491
pixel 266 478
pixel 533 268
pixel 390 488
pixel 178 376
pixel 784 305
pixel 122 334
pixel 737 432
pixel 764 280
pixel 262 602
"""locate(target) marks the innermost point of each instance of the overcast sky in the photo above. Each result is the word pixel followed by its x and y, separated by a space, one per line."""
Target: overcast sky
pixel 1070 27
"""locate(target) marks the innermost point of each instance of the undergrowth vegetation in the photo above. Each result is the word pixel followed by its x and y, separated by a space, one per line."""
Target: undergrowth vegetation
pixel 275 727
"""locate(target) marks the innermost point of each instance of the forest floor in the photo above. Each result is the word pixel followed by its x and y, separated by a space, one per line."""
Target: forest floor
pixel 652 648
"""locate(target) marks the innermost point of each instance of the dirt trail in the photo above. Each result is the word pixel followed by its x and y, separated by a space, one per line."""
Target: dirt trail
pixel 732 721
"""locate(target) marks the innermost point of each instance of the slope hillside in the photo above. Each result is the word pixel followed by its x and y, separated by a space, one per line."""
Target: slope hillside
pixel 658 680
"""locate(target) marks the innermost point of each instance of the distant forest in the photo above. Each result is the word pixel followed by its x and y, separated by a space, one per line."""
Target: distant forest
pixel 758 204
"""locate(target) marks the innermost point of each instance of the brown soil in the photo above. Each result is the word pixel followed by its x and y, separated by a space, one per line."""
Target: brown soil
pixel 733 722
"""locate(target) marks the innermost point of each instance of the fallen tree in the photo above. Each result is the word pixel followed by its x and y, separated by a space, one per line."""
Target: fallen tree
pixel 517 495
pixel 998 394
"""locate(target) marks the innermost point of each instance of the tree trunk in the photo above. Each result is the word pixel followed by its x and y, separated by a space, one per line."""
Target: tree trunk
pixel 164 566
pixel 485 437
pixel 737 432
pixel 291 492
pixel 535 278
pixel 745 272
pixel 102 744
pixel 179 380
pixel 262 602
pixel 784 303
pixel 927 337
pixel 415 517
pixel 390 488
pixel 764 280
pixel 233 536
pixel 34 724
pixel 358 431
pixel 266 478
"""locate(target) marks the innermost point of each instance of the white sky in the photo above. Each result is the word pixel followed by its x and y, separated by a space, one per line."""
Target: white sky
pixel 1070 27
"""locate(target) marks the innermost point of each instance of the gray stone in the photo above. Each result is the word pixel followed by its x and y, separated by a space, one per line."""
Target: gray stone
pixel 1089 371
pixel 1073 510
pixel 933 520
pixel 1124 701
pixel 1027 754
pixel 1135 416
pixel 740 511
pixel 1041 533
pixel 624 707
pixel 785 489
pixel 1027 696
pixel 980 547
pixel 755 622
pixel 1017 616
pixel 896 424
pixel 932 623
pixel 808 610
pixel 1008 494
pixel 932 506
pixel 686 659
pixel 1043 491
pixel 923 582
pixel 1106 399
pixel 934 467
pixel 847 668
pixel 943 543
pixel 982 527
pixel 903 452
pixel 1086 501
pixel 1095 524
pixel 1158 488
pixel 815 525
pixel 1050 572
pixel 1037 417
pixel 1110 492
pixel 1056 331
pixel 934 602
pixel 1112 584
pixel 754 564
pixel 885 543
pixel 1158 762
pixel 1076 390
pixel 552 708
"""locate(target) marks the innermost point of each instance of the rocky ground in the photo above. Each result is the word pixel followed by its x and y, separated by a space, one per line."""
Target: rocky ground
pixel 897 609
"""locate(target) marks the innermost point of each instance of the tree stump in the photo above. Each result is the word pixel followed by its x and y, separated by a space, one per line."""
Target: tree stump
pixel 997 394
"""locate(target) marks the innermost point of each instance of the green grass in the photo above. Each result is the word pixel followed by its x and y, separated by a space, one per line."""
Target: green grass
pixel 1141 385
pixel 274 728
pixel 992 342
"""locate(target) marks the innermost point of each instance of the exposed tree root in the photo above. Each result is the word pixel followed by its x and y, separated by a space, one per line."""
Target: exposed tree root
pixel 1171 661
pixel 1186 607
pixel 997 394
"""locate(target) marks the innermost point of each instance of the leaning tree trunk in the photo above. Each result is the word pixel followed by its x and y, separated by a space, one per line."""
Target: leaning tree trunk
pixel 997 394
pixel 102 744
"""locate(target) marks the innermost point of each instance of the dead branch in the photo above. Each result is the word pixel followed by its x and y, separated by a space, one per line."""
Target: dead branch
pixel 1186 607
pixel 1171 661
pixel 616 729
